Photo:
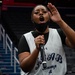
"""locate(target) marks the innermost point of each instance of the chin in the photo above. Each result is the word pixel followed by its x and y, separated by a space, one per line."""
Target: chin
pixel 41 22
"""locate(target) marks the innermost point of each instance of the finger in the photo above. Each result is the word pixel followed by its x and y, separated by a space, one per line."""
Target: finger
pixel 50 14
pixel 39 37
pixel 51 7
pixel 42 37
pixel 40 41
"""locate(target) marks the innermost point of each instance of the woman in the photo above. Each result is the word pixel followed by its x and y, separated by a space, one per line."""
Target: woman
pixel 52 39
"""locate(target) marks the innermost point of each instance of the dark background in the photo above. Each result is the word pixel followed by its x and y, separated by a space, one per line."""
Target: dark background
pixel 63 3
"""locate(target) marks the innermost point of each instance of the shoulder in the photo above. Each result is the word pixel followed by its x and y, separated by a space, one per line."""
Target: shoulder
pixel 52 30
pixel 59 30
pixel 23 45
pixel 28 33
pixel 61 33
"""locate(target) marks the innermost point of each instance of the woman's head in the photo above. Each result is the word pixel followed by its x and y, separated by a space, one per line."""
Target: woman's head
pixel 40 17
pixel 40 11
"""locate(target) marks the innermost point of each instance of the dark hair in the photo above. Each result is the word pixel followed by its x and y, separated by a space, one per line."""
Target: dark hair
pixel 35 7
pixel 39 5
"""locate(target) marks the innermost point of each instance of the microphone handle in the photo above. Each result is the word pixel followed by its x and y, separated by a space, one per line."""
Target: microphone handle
pixel 43 56
pixel 42 52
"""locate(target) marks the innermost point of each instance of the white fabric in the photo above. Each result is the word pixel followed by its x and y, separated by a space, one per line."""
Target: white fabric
pixel 55 56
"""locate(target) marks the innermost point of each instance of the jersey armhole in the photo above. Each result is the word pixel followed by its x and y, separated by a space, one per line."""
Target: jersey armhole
pixel 62 35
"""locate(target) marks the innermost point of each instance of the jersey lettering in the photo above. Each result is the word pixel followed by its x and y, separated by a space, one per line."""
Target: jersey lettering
pixel 58 58
pixel 50 57
pixel 54 56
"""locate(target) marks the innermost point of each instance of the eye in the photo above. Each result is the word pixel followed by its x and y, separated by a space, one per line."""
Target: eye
pixel 44 11
pixel 36 12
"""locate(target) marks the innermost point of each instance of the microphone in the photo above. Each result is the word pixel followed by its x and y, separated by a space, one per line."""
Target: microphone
pixel 43 57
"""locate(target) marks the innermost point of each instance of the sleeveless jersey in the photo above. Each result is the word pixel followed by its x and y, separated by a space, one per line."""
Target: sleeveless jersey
pixel 54 54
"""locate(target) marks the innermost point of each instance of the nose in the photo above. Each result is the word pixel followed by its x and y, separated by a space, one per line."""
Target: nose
pixel 40 13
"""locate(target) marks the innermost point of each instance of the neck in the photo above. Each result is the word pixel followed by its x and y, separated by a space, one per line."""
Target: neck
pixel 46 31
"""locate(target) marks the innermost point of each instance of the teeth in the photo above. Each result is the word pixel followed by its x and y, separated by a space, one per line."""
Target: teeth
pixel 42 18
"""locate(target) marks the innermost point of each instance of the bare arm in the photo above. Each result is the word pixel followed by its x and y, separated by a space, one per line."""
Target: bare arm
pixel 27 60
pixel 68 31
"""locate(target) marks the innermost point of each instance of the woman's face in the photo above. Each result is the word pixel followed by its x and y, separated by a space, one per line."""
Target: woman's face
pixel 40 14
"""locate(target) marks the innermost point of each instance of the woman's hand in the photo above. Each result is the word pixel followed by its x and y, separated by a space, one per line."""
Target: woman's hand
pixel 54 14
pixel 39 40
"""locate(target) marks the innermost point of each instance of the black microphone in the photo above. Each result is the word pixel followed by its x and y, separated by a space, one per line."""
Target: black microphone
pixel 43 57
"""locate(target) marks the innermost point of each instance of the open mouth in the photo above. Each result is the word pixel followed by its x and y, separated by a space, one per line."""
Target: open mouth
pixel 41 18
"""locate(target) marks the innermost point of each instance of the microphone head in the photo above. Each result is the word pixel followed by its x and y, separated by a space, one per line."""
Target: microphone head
pixel 44 63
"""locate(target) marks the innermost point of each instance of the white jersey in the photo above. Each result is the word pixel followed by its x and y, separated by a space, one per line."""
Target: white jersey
pixel 54 54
